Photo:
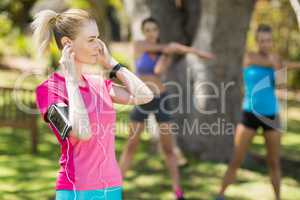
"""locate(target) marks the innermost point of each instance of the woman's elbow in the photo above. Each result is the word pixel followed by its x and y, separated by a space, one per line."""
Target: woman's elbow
pixel 146 98
pixel 158 72
pixel 149 97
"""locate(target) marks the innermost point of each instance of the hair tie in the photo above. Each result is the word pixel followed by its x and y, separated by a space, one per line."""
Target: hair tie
pixel 57 16
pixel 54 19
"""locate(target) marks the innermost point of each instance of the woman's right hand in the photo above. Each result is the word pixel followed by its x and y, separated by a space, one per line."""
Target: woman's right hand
pixel 104 57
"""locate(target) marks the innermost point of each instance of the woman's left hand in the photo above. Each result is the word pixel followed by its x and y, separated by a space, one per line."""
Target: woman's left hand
pixel 104 57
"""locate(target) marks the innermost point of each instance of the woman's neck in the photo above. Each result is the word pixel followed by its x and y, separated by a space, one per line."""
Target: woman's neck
pixel 78 73
pixel 263 53
pixel 151 41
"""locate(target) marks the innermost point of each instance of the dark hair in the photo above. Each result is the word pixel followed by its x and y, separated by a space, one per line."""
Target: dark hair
pixel 264 28
pixel 149 19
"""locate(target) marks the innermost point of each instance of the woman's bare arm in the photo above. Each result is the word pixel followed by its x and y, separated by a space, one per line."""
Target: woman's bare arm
pixel 272 60
pixel 163 64
pixel 291 65
pixel 183 49
pixel 133 92
pixel 143 46
pixel 78 114
pixel 277 61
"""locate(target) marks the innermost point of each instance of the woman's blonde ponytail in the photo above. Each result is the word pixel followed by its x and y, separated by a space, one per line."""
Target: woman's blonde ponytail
pixel 48 22
pixel 42 29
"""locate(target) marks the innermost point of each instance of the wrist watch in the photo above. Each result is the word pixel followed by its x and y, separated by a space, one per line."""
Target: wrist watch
pixel 114 70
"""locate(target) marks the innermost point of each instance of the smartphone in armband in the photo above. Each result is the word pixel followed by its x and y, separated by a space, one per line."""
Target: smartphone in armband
pixel 57 116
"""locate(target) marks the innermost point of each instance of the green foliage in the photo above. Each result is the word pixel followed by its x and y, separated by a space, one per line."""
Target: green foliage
pixel 83 4
pixel 16 43
pixel 22 45
pixel 123 59
pixel 12 39
pixel 117 4
pixel 14 20
pixel 54 56
pixel 18 11
pixel 5 24
pixel 6 27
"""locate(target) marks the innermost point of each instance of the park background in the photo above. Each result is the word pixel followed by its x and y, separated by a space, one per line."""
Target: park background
pixel 29 153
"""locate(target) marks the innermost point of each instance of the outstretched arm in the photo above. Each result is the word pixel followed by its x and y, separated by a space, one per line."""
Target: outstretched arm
pixel 183 49
pixel 271 60
pixel 291 65
pixel 133 90
pixel 143 46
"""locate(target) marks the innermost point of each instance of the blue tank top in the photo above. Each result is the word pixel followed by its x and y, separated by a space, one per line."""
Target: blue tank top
pixel 145 64
pixel 259 90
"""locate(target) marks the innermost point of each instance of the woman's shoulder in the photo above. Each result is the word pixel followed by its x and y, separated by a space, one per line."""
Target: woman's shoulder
pixel 54 80
pixel 275 57
pixel 251 54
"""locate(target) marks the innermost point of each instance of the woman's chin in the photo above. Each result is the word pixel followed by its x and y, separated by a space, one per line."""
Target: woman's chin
pixel 93 62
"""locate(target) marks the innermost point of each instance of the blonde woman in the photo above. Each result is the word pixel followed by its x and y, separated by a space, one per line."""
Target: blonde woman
pixel 88 167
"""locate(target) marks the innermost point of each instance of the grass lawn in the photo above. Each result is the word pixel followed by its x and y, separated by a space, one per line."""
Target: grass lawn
pixel 24 176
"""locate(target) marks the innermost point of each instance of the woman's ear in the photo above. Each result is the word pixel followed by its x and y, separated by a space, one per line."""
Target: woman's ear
pixel 65 40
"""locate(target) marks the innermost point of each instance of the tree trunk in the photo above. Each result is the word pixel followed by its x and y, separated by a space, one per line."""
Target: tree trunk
pixel 210 99
pixel 137 11
pixel 206 95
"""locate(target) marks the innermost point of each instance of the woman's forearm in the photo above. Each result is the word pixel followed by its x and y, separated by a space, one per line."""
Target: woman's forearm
pixel 138 90
pixel 78 114
pixel 162 64
pixel 183 49
pixel 149 47
pixel 291 65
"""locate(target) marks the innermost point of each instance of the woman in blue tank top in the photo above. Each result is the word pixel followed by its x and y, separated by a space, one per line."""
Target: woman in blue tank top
pixel 152 60
pixel 260 110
